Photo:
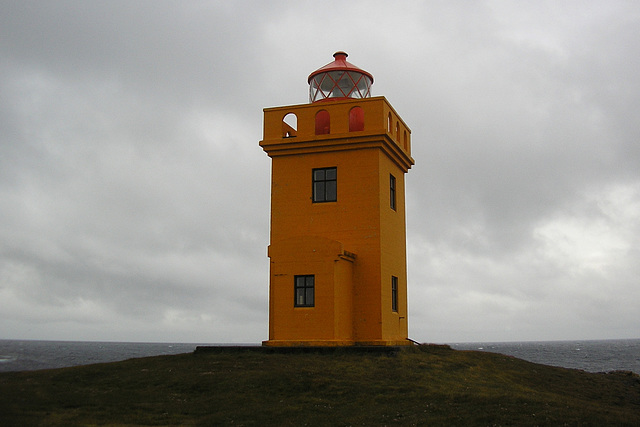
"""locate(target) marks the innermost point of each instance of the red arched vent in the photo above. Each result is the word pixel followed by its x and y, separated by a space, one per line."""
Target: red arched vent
pixel 356 119
pixel 323 122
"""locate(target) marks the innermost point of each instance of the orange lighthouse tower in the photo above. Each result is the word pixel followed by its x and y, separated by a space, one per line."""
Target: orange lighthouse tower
pixel 338 265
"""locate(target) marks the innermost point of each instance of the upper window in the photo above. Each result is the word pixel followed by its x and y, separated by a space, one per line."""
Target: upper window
pixel 392 191
pixel 304 291
pixel 325 185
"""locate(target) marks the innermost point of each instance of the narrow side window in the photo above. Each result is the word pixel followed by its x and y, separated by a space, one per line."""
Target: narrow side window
pixel 394 293
pixel 392 192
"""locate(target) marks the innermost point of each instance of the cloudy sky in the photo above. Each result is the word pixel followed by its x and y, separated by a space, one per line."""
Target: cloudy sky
pixel 134 198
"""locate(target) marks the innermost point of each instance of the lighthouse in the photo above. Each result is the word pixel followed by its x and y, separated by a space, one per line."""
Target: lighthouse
pixel 337 250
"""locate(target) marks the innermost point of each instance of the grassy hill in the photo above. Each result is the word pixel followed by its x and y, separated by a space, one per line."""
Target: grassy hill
pixel 426 385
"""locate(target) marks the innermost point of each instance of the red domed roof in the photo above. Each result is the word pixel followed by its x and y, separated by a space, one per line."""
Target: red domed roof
pixel 340 64
pixel 339 80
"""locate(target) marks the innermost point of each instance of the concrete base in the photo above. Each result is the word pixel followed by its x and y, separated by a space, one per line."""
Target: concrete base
pixel 357 349
pixel 334 343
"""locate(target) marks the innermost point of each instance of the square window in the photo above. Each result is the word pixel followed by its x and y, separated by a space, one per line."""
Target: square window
pixel 325 185
pixel 304 291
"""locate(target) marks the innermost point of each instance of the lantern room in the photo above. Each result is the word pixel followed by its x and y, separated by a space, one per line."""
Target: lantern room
pixel 339 80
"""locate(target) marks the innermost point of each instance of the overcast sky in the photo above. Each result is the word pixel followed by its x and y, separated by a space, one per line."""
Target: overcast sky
pixel 134 198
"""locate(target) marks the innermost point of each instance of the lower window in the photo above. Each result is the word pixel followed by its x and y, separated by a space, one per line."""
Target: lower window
pixel 304 291
pixel 394 293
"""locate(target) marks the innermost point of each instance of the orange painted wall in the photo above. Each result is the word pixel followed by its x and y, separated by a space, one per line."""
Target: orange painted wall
pixel 353 294
pixel 393 251
pixel 330 318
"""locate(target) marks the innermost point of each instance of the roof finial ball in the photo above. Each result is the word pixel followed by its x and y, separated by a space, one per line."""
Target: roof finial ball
pixel 339 80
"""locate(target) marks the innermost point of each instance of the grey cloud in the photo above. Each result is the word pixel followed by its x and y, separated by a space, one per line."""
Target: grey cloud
pixel 134 198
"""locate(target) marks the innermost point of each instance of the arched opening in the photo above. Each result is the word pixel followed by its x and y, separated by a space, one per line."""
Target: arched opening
pixel 389 121
pixel 405 140
pixel 397 131
pixel 356 119
pixel 289 125
pixel 323 122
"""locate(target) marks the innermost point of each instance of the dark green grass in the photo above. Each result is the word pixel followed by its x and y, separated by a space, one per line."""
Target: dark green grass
pixel 424 385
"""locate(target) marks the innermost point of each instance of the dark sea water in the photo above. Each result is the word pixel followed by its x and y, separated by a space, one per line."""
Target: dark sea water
pixel 18 355
pixel 591 356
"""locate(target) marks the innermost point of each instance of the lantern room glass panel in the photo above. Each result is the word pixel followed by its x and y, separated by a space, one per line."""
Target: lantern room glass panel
pixel 339 84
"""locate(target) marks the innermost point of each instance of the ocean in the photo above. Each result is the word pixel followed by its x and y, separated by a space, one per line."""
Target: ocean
pixel 590 356
pixel 23 355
